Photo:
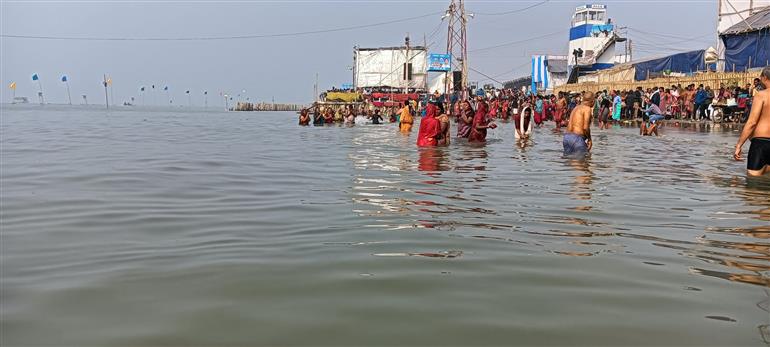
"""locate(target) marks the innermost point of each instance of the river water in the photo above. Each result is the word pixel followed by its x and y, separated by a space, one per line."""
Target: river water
pixel 173 227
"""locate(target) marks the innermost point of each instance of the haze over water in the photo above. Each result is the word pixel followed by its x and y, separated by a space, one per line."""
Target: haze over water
pixel 174 227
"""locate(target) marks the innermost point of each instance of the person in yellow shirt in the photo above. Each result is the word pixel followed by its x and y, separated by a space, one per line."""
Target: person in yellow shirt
pixel 406 120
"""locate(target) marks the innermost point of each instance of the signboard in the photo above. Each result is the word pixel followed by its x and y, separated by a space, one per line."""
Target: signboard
pixel 591 6
pixel 439 62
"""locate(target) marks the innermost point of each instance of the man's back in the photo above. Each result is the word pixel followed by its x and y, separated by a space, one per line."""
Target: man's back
pixel 579 120
pixel 762 99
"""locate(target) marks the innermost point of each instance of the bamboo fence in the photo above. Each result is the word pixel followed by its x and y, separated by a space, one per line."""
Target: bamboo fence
pixel 247 106
pixel 711 79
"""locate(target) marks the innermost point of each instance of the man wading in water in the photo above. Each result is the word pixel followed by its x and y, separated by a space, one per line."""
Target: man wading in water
pixel 577 139
pixel 758 129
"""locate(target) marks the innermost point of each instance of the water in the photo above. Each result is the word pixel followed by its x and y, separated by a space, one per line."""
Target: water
pixel 136 227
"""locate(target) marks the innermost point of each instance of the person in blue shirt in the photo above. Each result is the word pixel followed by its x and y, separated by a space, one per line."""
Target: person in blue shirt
pixel 539 111
pixel 700 101
pixel 652 114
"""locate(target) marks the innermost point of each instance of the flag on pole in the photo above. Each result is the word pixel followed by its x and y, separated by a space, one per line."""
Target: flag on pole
pixel 109 81
pixel 64 78
pixel 153 86
pixel 35 77
pixel 540 71
pixel 141 89
pixel 165 88
pixel 187 92
pixel 205 93
pixel 12 85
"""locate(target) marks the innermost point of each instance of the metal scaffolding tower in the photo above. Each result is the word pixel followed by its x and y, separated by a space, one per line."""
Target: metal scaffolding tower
pixel 456 45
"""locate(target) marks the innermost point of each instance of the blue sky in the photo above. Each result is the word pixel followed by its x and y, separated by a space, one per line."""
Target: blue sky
pixel 285 67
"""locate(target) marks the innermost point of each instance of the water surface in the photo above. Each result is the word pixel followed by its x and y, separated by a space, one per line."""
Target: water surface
pixel 172 227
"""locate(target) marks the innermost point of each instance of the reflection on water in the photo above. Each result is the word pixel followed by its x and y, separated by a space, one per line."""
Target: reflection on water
pixel 162 228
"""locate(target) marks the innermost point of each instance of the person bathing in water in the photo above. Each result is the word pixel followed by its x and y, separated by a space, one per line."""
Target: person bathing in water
pixel 577 140
pixel 304 117
pixel 376 117
pixel 465 119
pixel 523 131
pixel 406 120
pixel 443 120
pixel 430 128
pixel 481 122
pixel 757 129
pixel 652 114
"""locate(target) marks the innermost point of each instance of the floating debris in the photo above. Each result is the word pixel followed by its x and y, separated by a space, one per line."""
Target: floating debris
pixel 442 254
pixel 722 318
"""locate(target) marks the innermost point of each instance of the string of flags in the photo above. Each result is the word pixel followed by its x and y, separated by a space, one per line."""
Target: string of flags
pixel 108 82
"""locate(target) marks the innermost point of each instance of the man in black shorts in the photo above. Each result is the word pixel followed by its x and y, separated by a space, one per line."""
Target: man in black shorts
pixel 757 128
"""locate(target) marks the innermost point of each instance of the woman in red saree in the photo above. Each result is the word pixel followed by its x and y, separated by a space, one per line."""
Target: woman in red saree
pixel 481 123
pixel 430 128
pixel 464 119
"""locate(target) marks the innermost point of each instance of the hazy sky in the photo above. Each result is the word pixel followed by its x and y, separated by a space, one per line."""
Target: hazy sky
pixel 285 67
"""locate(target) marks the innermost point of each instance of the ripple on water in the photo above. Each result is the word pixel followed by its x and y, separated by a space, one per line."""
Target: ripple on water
pixel 150 227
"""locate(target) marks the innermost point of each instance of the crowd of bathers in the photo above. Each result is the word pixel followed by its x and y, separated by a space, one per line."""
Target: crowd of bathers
pixel 475 116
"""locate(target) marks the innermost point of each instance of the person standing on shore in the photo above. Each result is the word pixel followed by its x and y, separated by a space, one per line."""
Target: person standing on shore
pixel 577 140
pixel 700 103
pixel 757 128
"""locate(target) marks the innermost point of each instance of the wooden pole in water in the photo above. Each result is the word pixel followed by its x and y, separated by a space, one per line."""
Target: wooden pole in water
pixel 315 89
pixel 40 93
pixel 106 96
pixel 69 97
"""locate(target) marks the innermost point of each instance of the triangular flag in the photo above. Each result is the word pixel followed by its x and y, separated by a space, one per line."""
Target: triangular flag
pixel 141 89
pixel 35 78
pixel 12 85
pixel 165 88
pixel 64 78
pixel 187 92
pixel 205 93
pixel 109 81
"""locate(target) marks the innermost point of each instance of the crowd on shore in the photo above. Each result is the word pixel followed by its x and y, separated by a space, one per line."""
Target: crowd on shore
pixel 475 116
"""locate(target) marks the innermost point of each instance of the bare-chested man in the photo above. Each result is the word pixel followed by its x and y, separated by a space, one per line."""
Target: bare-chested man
pixel 577 139
pixel 758 129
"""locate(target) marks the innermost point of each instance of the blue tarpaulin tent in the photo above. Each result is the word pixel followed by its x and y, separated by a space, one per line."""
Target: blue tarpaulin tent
pixel 685 62
pixel 747 44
